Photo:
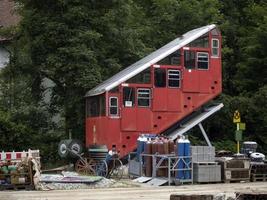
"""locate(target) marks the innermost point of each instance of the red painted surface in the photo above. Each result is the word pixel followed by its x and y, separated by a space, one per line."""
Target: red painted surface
pixel 167 106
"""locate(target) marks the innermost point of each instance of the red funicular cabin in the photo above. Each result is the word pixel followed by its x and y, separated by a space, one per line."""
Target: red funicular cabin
pixel 156 92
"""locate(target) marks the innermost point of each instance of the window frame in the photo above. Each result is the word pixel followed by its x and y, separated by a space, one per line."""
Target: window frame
pixel 149 98
pixel 179 78
pixel 197 61
pixel 218 48
pixel 111 106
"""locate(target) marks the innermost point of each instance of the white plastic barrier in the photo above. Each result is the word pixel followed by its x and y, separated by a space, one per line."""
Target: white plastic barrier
pixel 5 156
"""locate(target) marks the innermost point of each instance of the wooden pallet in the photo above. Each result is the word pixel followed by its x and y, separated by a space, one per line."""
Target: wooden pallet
pixel 236 181
pixel 258 169
pixel 16 187
pixel 258 177
pixel 205 163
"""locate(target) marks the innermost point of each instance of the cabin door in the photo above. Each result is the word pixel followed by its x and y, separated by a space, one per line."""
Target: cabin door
pixel 160 93
pixel 128 110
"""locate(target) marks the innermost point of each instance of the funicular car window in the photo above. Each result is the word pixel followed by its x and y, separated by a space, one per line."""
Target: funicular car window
pixel 95 106
pixel 172 59
pixel 215 47
pixel 142 77
pixel 113 106
pixel 128 96
pixel 159 77
pixel 174 78
pixel 143 97
pixel 189 59
pixel 202 42
pixel 202 60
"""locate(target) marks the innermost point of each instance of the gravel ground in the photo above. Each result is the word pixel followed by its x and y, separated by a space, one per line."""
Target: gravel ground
pixel 135 193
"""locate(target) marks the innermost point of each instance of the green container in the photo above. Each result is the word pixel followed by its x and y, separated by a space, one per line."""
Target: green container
pixel 12 168
pixel 4 169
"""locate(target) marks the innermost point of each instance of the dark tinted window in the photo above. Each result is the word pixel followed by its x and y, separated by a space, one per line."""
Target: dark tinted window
pixel 189 59
pixel 173 59
pixel 128 96
pixel 202 41
pixel 95 106
pixel 142 77
pixel 160 77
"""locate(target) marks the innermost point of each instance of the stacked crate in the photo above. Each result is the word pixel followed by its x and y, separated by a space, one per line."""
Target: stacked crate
pixel 235 169
pixel 258 172
pixel 205 169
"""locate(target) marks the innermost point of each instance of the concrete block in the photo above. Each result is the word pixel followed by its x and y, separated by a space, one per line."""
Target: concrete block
pixel 200 149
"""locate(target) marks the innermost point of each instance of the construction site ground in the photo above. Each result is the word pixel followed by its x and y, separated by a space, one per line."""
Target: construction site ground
pixel 136 192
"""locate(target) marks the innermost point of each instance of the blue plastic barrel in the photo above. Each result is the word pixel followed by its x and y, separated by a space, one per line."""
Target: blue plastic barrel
pixel 187 152
pixel 180 152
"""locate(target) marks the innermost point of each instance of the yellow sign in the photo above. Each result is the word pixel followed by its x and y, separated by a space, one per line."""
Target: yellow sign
pixel 236 118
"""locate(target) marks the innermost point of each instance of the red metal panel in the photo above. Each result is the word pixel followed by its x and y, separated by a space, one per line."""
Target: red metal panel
pixel 128 142
pixel 190 81
pixel 128 119
pixel 103 130
pixel 174 99
pixel 160 99
pixel 205 80
pixel 144 119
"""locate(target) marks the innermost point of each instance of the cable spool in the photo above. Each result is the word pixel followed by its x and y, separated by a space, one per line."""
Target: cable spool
pixel 63 148
pixel 76 147
pixel 70 148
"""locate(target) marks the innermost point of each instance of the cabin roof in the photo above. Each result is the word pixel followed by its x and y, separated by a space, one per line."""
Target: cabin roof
pixel 149 60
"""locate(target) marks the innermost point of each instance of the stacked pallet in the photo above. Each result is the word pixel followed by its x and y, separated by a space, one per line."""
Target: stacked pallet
pixel 205 169
pixel 235 169
pixel 258 172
